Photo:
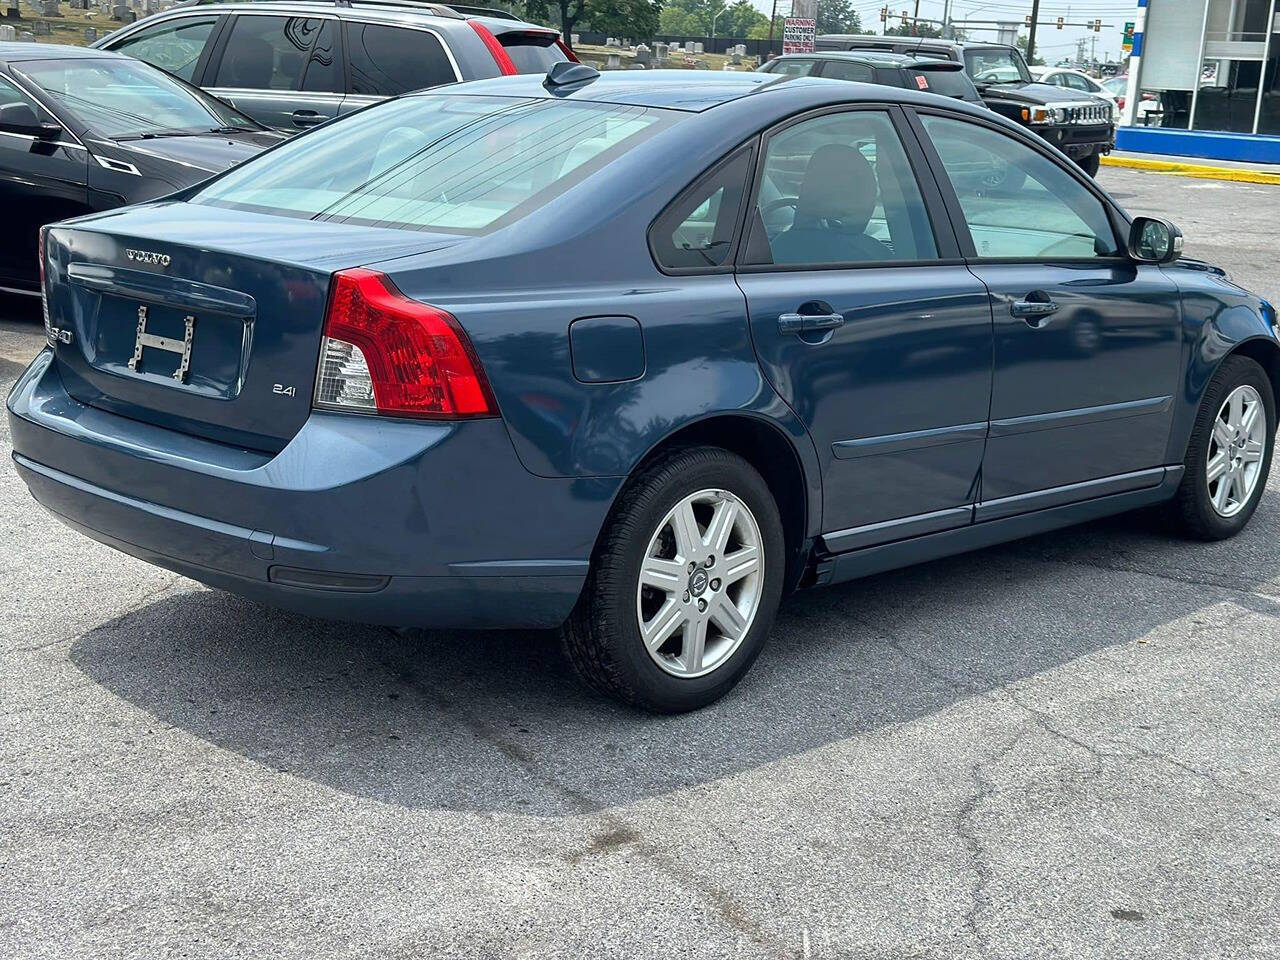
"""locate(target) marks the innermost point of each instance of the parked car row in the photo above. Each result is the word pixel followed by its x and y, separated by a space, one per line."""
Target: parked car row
pixel 1076 121
pixel 632 355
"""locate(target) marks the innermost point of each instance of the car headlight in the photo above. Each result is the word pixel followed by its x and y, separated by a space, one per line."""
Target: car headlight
pixel 1037 115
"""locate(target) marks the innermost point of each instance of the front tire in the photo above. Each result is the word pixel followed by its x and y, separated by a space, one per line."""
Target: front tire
pixel 1091 163
pixel 684 584
pixel 1229 456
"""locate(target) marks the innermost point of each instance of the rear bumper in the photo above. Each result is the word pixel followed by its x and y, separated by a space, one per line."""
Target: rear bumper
pixel 358 518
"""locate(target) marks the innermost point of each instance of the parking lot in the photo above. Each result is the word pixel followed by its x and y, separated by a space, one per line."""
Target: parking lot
pixel 1064 747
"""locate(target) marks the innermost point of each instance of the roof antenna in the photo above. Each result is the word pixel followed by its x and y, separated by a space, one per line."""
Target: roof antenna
pixel 565 73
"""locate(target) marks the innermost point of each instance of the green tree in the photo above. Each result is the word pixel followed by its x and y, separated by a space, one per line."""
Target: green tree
pixel 636 19
pixel 836 16
pixel 740 19
pixel 1037 60
pixel 761 30
pixel 916 30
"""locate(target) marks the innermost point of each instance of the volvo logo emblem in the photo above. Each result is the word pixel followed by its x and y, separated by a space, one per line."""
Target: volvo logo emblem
pixel 148 256
pixel 698 582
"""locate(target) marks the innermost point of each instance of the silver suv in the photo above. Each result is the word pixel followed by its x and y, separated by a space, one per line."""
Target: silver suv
pixel 292 64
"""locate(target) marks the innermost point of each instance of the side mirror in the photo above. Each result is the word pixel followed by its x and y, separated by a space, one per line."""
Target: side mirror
pixel 1152 240
pixel 21 118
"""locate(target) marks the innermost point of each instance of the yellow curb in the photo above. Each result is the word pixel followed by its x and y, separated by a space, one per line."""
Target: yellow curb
pixel 1179 169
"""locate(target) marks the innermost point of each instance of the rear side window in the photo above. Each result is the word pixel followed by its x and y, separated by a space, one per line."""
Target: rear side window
pixel 440 163
pixel 175 47
pixel 696 231
pixel 389 61
pixel 267 53
pixel 532 52
pixel 793 68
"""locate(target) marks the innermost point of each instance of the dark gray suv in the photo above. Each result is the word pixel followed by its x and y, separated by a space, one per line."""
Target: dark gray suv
pixel 292 65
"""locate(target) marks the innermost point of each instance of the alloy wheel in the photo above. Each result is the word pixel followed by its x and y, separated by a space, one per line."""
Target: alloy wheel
pixel 700 583
pixel 1236 446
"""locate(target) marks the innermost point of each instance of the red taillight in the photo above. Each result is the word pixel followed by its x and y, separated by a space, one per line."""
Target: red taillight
pixel 499 53
pixel 564 48
pixel 384 353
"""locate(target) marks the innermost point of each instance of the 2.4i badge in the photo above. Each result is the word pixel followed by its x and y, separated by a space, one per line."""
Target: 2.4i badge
pixel 181 347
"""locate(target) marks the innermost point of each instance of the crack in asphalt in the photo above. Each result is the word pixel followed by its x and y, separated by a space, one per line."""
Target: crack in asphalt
pixel 618 832
pixel 117 620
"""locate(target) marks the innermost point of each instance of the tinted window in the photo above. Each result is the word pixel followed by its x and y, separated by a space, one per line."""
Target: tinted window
pixel 175 47
pixel 462 164
pixel 1077 83
pixel 388 61
pixel 532 52
pixel 697 229
pixel 996 65
pixel 844 70
pixel 267 53
pixel 324 65
pixel 945 83
pixel 1016 201
pixel 839 189
pixel 124 98
pixel 793 68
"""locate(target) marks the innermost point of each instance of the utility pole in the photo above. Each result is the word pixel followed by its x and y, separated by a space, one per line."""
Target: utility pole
pixel 1031 30
pixel 773 17
pixel 946 19
pixel 915 20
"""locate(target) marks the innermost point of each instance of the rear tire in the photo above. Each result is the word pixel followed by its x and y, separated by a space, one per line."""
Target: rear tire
pixel 1091 163
pixel 1229 455
pixel 702 527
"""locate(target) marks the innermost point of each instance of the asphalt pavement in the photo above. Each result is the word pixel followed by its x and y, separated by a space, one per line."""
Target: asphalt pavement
pixel 1063 747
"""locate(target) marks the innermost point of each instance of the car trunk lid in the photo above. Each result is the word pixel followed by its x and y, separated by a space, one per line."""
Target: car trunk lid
pixel 203 319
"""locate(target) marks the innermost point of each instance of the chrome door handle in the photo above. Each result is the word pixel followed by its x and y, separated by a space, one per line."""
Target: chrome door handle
pixel 802 322
pixel 306 118
pixel 1030 309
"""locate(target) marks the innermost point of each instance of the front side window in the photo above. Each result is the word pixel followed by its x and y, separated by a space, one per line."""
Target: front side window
pixel 389 61
pixel 119 98
pixel 174 46
pixel 838 189
pixel 1017 202
pixel 696 231
pixel 793 68
pixel 267 53
pixel 996 65
pixel 443 163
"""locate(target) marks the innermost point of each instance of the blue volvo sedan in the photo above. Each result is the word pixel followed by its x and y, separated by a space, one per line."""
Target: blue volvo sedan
pixel 634 356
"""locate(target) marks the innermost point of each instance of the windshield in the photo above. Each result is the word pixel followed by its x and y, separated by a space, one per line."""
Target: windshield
pixel 996 65
pixel 462 164
pixel 123 99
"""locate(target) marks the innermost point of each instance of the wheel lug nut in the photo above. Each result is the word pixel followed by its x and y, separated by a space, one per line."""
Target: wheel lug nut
pixel 702 606
pixel 715 584
pixel 711 560
pixel 686 596
pixel 692 566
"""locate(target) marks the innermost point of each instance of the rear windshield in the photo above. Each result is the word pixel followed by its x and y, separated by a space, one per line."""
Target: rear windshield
pixel 532 52
pixel 459 164
pixel 946 83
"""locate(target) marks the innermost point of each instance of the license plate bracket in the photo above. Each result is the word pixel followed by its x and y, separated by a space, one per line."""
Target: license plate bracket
pixel 169 344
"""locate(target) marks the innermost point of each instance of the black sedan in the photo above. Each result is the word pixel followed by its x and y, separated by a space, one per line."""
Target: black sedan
pixel 86 130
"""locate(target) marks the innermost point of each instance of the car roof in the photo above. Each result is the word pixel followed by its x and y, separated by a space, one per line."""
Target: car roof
pixel 18 52
pixel 884 58
pixel 690 91
pixel 391 11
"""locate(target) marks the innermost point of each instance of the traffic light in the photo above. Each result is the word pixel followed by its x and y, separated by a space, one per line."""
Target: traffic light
pixel 904 18
pixel 1097 26
pixel 1028 19
pixel 884 14
pixel 1060 23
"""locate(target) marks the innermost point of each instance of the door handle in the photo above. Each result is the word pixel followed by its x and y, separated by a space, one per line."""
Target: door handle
pixel 306 118
pixel 1035 312
pixel 803 322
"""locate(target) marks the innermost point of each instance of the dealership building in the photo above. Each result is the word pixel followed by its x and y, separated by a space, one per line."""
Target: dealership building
pixel 1203 80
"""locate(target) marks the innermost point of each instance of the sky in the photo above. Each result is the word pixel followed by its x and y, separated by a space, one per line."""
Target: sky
pixel 1051 43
